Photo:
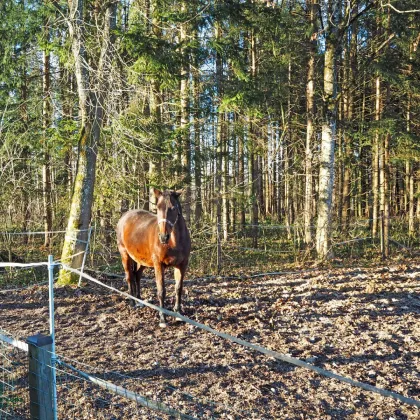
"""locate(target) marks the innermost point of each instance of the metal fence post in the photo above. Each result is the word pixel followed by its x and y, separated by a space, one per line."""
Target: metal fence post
pixel 40 377
pixel 51 266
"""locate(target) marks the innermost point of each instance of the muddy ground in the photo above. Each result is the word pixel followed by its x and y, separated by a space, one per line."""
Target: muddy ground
pixel 362 323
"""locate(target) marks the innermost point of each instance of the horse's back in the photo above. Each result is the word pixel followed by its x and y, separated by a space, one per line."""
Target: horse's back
pixel 135 224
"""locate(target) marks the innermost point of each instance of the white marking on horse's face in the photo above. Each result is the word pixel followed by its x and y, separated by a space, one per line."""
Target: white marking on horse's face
pixel 167 213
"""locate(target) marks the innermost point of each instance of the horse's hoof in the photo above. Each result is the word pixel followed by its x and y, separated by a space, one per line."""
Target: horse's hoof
pixel 162 324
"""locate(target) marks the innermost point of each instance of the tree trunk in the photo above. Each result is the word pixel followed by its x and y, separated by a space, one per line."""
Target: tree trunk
pixel 241 176
pixel 92 88
pixel 155 107
pixel 409 165
pixel 46 123
pixel 288 158
pixel 350 70
pixel 185 134
pixel 25 154
pixel 197 141
pixel 375 160
pixel 376 144
pixel 326 164
pixel 384 195
pixel 225 183
pixel 219 150
pixel 251 148
pixel 310 113
pixel 252 171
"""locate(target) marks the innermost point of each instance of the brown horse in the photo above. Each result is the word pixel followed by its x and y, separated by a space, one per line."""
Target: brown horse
pixel 155 240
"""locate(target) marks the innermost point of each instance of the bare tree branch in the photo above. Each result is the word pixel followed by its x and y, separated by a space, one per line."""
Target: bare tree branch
pixel 397 10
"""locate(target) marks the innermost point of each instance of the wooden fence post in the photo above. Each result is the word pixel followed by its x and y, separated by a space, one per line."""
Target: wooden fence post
pixel 40 377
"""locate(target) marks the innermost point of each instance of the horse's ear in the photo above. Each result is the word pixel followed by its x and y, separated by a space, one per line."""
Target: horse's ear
pixel 177 193
pixel 157 192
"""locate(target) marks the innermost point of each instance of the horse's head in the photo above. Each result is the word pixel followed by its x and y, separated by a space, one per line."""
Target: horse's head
pixel 168 212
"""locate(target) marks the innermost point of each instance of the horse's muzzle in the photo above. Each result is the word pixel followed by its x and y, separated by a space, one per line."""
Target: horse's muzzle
pixel 163 238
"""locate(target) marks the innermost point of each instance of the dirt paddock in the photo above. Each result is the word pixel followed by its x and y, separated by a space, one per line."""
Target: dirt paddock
pixel 362 323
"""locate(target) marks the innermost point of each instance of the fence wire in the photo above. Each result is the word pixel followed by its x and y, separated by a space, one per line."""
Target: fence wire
pixel 243 247
pixel 86 392
pixel 21 248
pixel 254 248
pixel 14 387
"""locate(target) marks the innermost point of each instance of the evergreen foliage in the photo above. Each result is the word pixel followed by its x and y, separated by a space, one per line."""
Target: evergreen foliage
pixel 243 143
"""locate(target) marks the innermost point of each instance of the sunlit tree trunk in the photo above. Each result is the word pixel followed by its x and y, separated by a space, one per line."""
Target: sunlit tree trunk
pixel 235 175
pixel 46 124
pixel 252 146
pixel 326 163
pixel 185 132
pixel 197 140
pixel 288 156
pixel 349 76
pixel 241 176
pixel 91 87
pixel 410 165
pixel 24 116
pixel 384 174
pixel 225 182
pixel 310 113
pixel 375 160
pixel 219 148
pixel 376 148
pixel 155 105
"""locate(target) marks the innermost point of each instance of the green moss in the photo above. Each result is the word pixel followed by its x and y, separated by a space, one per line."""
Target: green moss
pixel 66 278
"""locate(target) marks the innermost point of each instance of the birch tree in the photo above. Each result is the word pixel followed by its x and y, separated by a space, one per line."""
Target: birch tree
pixel 326 161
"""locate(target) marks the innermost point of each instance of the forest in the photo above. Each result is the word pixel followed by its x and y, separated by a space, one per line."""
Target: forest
pixel 296 114
pixel 289 129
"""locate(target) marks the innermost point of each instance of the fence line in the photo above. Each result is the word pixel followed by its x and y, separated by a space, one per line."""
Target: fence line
pixel 145 402
pixel 353 240
pixel 262 226
pixel 70 256
pixel 12 264
pixel 14 395
pixel 244 277
pixel 166 385
pixel 21 345
pixel 270 353
pixel 40 232
pixel 109 386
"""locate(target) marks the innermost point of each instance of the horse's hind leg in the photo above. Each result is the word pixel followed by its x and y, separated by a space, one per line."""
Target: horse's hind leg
pixel 139 273
pixel 129 269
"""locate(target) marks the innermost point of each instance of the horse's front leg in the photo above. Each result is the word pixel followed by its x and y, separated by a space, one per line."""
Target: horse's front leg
pixel 179 273
pixel 161 292
pixel 129 266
